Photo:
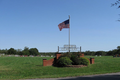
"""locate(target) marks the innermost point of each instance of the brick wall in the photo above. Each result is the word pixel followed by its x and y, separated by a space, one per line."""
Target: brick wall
pixel 91 60
pixel 58 55
pixel 51 61
pixel 81 54
pixel 48 62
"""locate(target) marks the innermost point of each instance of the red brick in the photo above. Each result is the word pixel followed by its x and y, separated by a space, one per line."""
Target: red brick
pixel 44 62
pixel 51 61
pixel 58 55
pixel 91 60
pixel 81 54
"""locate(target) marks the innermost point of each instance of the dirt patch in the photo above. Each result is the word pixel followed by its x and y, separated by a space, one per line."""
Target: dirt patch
pixel 76 66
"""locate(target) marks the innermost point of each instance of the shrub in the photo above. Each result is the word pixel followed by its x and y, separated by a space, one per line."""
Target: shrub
pixel 77 54
pixel 63 61
pixel 84 61
pixel 75 60
pixel 66 55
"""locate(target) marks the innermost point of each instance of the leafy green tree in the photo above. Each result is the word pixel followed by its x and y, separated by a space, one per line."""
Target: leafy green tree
pixel 115 51
pixel 3 51
pixel 12 51
pixel 101 53
pixel 26 51
pixel 118 47
pixel 118 50
pixel 18 51
pixel 109 53
pixel 117 3
pixel 26 48
pixel 33 51
pixel 92 53
pixel 87 52
pixel 112 52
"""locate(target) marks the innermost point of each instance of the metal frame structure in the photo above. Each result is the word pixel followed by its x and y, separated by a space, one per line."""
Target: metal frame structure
pixel 69 48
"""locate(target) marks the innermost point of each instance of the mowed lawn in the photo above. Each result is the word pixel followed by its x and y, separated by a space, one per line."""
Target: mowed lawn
pixel 31 67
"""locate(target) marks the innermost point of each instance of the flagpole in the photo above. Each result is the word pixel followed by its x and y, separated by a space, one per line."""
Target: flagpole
pixel 69 33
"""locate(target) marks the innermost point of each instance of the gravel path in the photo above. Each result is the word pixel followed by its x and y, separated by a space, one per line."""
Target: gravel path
pixel 109 76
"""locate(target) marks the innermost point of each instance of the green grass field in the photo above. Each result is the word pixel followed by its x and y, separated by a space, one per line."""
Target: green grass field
pixel 31 67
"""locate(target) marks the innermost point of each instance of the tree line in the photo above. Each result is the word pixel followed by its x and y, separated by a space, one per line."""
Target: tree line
pixel 104 53
pixel 35 52
pixel 26 51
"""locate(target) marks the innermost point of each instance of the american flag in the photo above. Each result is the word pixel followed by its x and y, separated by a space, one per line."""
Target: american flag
pixel 64 24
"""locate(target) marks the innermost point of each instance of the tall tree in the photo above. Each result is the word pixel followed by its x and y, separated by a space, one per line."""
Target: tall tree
pixel 118 47
pixel 34 51
pixel 12 51
pixel 117 3
pixel 26 51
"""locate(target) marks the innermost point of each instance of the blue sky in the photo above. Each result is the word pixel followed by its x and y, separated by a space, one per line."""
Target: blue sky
pixel 34 23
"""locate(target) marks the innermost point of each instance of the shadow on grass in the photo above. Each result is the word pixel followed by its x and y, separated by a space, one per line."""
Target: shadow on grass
pixel 100 77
